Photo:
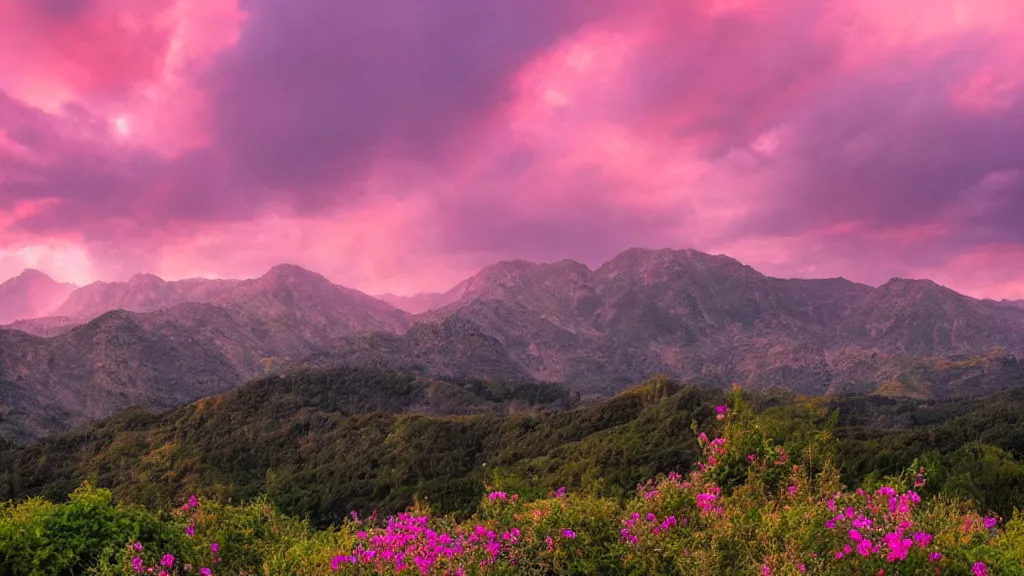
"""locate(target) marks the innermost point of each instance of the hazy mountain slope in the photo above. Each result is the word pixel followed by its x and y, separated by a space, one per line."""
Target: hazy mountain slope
pixel 451 348
pixel 921 318
pixel 424 301
pixel 45 326
pixel 309 304
pixel 302 300
pixel 31 294
pixel 155 359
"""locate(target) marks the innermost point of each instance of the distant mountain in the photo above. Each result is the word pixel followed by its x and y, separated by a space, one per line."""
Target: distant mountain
pixel 303 300
pixel 153 359
pixel 192 339
pixel 696 317
pixel 31 294
pixel 45 326
pixel 422 302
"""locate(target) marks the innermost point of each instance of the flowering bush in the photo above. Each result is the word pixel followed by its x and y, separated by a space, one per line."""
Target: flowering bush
pixel 751 506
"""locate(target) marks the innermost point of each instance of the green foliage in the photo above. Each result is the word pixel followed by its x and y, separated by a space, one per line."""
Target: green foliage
pixel 322 444
pixel 305 450
pixel 39 538
pixel 668 526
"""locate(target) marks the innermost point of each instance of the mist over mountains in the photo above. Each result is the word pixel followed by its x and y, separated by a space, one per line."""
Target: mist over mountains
pixel 31 294
pixel 693 316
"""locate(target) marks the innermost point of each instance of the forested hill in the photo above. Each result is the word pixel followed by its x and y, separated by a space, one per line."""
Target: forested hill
pixel 320 444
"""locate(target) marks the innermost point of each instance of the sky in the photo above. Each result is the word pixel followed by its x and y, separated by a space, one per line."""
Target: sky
pixel 400 145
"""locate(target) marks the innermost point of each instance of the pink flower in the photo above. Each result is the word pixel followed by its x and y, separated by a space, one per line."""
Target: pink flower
pixel 214 547
pixel 568 534
pixel 990 522
pixel 980 569
pixel 205 572
pixel 137 564
pixel 167 560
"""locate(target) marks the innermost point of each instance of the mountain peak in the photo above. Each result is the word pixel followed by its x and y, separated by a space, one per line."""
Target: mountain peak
pixel 897 285
pixel 291 270
pixel 31 294
pixel 653 263
pixel 33 276
pixel 495 280
pixel 145 278
pixel 293 275
pixel 33 273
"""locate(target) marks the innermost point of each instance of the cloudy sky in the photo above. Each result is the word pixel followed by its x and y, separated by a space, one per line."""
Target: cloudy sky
pixel 399 145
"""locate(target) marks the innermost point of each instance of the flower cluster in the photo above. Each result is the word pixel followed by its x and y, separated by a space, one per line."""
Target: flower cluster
pixel 406 542
pixel 637 526
pixel 881 525
pixel 721 411
pixel 167 561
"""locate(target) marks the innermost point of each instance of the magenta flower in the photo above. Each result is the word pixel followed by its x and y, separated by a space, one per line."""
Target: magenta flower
pixel 990 522
pixel 568 534
pixel 214 547
pixel 205 572
pixel 167 560
pixel 980 569
pixel 137 564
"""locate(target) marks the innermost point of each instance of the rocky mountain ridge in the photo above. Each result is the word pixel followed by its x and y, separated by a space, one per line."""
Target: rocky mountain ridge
pixel 693 316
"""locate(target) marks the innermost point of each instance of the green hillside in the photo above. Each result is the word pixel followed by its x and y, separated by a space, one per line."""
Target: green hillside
pixel 305 475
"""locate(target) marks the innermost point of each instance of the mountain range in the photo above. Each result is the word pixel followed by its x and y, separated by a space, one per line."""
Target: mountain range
pixel 697 317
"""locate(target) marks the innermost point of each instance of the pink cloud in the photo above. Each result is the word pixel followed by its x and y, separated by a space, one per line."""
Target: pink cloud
pixel 401 149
